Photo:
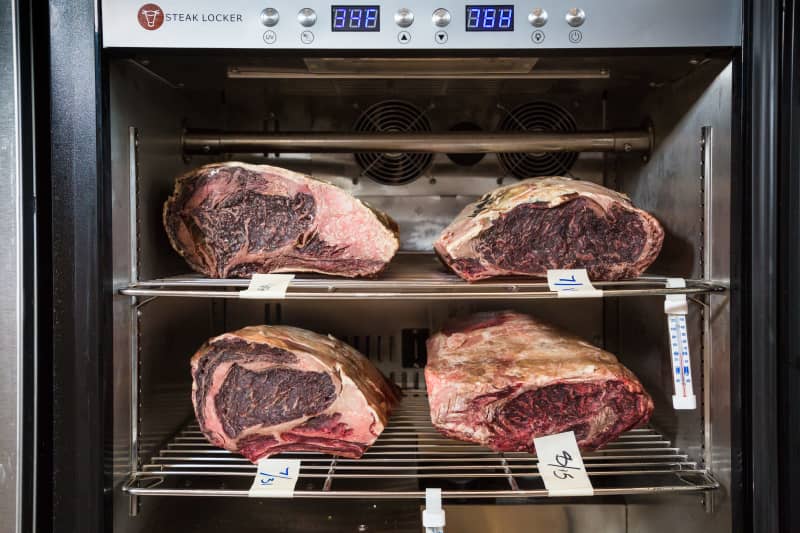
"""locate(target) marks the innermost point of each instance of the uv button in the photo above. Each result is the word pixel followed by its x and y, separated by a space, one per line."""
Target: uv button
pixel 270 37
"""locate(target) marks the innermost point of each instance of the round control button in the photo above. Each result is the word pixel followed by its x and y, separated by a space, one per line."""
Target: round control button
pixel 307 17
pixel 440 36
pixel 270 17
pixel 575 16
pixel 307 36
pixel 537 37
pixel 403 37
pixel 404 17
pixel 441 17
pixel 537 17
pixel 270 37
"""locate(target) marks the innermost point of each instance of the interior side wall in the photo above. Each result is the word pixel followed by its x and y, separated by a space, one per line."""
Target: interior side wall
pixel 145 128
pixel 686 185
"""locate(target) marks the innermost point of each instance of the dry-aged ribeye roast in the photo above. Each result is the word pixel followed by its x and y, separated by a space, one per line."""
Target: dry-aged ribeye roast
pixel 501 379
pixel 231 220
pixel 546 223
pixel 262 390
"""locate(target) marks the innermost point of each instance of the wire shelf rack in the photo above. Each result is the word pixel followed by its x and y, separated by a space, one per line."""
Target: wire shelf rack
pixel 411 456
pixel 410 276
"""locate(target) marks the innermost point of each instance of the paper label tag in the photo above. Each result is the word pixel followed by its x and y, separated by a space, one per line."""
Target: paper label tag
pixel 275 478
pixel 267 286
pixel 561 466
pixel 573 283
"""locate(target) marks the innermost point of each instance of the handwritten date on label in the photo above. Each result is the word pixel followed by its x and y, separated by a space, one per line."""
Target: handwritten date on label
pixel 267 286
pixel 573 283
pixel 275 478
pixel 561 465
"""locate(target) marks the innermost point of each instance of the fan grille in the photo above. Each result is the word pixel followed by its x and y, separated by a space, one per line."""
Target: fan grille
pixel 393 116
pixel 538 117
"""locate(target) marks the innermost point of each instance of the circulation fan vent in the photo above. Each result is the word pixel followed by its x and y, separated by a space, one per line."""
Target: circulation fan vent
pixel 538 117
pixel 393 116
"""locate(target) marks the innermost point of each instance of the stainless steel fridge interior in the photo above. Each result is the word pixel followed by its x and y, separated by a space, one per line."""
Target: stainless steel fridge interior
pixel 656 127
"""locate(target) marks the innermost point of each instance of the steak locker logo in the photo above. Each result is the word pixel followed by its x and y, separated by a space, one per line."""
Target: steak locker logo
pixel 151 17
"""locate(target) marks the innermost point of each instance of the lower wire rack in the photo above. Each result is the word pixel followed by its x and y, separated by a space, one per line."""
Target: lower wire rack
pixel 411 456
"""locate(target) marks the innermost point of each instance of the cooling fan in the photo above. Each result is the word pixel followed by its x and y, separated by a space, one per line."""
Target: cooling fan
pixel 393 116
pixel 538 117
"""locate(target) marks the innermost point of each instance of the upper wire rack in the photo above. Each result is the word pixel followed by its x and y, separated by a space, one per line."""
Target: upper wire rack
pixel 409 277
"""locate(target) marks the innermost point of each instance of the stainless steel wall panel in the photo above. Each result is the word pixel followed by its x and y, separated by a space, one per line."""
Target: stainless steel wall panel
pixel 687 186
pixel 11 213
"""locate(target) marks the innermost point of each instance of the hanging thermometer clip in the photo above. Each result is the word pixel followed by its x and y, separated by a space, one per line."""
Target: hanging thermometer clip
pixel 676 308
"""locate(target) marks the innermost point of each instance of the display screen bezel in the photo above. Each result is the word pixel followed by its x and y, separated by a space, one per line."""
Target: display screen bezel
pixel 484 7
pixel 349 9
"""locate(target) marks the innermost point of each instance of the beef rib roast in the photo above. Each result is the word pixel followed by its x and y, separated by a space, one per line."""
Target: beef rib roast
pixel 263 390
pixel 230 220
pixel 548 223
pixel 501 379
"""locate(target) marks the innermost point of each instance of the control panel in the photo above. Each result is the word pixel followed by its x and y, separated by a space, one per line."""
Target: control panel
pixel 417 24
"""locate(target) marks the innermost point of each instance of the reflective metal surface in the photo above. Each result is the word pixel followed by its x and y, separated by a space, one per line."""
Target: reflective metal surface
pixel 148 388
pixel 686 185
pixel 374 315
pixel 617 24
pixel 447 143
pixel 408 277
pixel 11 393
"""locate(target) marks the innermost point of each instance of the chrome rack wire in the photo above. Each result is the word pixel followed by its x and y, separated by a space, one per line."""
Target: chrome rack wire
pixel 410 456
pixel 409 277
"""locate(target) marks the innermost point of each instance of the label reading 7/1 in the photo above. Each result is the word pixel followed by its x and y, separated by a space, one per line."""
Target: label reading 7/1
pixel 275 478
pixel 561 465
pixel 572 283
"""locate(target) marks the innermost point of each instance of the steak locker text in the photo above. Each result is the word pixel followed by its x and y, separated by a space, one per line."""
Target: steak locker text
pixel 203 17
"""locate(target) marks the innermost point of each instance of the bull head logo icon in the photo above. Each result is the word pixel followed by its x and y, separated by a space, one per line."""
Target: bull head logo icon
pixel 151 17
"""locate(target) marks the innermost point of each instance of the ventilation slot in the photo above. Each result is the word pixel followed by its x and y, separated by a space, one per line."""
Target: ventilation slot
pixel 538 117
pixel 393 116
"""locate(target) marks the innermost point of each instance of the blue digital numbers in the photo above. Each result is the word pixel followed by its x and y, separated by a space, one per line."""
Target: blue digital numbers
pixel 355 18
pixel 490 18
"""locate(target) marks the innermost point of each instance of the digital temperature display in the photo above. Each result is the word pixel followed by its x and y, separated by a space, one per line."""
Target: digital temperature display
pixel 490 18
pixel 355 18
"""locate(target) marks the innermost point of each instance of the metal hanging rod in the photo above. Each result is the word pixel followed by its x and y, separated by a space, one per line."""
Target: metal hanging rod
pixel 448 143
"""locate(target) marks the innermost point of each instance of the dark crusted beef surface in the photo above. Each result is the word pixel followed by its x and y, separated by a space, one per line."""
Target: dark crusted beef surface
pixel 265 389
pixel 233 220
pixel 225 350
pixel 539 224
pixel 502 379
pixel 534 238
pixel 242 220
pixel 568 407
pixel 271 397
